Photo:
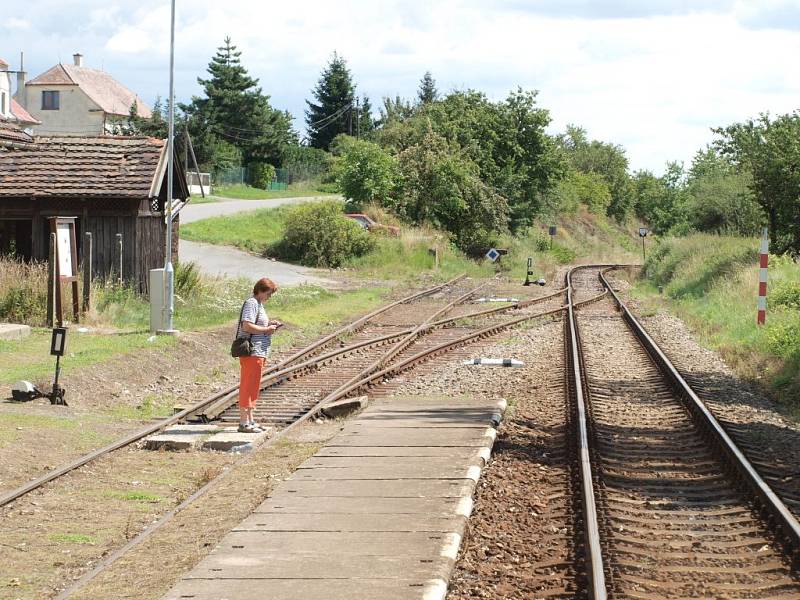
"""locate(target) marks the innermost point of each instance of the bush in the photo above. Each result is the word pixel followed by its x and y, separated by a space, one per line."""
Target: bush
pixel 23 292
pixel 367 173
pixel 24 303
pixel 319 235
pixel 187 278
pixel 261 175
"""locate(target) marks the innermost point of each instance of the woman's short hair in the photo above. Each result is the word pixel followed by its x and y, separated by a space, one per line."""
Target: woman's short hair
pixel 265 284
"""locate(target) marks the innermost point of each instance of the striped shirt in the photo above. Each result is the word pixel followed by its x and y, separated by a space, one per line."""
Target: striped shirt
pixel 254 313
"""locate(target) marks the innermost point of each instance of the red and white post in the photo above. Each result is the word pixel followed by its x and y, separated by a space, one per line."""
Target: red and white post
pixel 762 278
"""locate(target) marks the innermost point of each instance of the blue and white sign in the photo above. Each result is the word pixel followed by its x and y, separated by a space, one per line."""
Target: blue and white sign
pixel 493 254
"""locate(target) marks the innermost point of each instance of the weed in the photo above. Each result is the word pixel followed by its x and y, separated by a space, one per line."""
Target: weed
pixel 134 496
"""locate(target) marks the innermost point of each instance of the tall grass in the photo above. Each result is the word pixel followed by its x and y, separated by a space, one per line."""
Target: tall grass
pixel 712 283
pixel 23 291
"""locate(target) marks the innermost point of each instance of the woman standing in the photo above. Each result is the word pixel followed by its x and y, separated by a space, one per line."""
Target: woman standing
pixel 254 321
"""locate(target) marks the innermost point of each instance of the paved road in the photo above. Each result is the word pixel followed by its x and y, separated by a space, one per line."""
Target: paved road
pixel 231 262
pixel 228 206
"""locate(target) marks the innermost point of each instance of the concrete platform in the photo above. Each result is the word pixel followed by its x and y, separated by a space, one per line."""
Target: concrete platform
pixel 206 437
pixel 377 513
pixel 13 331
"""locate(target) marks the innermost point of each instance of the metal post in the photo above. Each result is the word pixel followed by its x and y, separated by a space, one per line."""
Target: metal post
pixel 119 250
pixel 87 271
pixel 169 274
pixel 51 283
pixel 643 256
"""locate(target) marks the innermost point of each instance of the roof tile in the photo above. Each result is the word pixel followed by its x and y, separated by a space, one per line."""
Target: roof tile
pixel 108 167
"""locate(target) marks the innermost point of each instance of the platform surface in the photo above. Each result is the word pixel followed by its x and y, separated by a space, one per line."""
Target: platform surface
pixel 378 512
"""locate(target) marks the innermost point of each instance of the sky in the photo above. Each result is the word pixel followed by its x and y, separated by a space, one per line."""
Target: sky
pixel 653 76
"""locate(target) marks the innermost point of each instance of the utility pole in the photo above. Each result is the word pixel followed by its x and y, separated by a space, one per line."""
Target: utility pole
pixel 350 119
pixel 358 118
pixel 169 273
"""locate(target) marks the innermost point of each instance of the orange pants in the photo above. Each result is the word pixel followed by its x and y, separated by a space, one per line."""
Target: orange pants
pixel 250 380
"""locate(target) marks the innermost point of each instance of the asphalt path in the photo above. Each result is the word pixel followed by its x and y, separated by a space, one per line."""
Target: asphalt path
pixel 228 261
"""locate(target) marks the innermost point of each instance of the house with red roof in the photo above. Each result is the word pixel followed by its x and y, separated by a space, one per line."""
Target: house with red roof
pixel 10 110
pixel 76 100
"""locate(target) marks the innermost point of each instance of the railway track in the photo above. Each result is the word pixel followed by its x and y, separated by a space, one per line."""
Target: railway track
pixel 670 506
pixel 370 353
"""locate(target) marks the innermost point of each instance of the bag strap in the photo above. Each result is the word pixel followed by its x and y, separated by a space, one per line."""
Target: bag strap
pixel 239 324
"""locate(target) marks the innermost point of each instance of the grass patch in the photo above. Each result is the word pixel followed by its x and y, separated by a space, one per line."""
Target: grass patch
pixel 711 282
pixel 30 358
pixel 246 192
pixel 253 231
pixel 13 426
pixel 151 406
pixel 73 538
pixel 146 497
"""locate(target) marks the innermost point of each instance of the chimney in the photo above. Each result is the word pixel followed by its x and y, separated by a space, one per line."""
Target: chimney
pixel 78 58
pixel 21 96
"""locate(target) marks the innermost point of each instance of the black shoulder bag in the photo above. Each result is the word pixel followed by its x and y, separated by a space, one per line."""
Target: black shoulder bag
pixel 241 346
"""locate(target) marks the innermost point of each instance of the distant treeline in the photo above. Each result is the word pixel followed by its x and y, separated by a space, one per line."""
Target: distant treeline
pixel 478 169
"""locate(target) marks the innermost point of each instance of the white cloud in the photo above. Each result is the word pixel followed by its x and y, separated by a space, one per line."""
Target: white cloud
pixel 653 76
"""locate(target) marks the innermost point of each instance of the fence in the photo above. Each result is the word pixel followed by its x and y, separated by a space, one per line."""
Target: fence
pixel 232 176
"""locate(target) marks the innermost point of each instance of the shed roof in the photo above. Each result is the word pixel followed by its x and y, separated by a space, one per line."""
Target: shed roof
pixel 90 167
pixel 105 91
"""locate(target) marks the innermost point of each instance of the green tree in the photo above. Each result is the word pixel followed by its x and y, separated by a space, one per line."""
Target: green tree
pixel 366 124
pixel 234 109
pixel 367 173
pixel 331 111
pixel 769 151
pixel 662 202
pixel 156 126
pixel 427 91
pixel 603 159
pixel 720 198
pixel 443 188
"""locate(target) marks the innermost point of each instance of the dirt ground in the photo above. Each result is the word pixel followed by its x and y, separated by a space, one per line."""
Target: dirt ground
pixel 35 436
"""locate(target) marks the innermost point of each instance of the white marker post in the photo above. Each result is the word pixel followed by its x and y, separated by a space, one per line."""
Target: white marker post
pixel 762 278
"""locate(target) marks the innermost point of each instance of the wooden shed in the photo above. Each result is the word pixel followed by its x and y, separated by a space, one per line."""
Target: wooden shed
pixel 112 185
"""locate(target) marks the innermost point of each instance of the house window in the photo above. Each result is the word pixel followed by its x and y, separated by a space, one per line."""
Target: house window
pixel 2 103
pixel 50 100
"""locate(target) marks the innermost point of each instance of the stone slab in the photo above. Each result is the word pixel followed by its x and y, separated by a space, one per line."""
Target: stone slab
pixel 475 438
pixel 232 441
pixel 337 565
pixel 340 522
pixel 14 331
pixel 309 588
pixel 388 462
pixel 399 470
pixel 181 437
pixel 290 503
pixel 455 453
pixel 423 544
pixel 398 488
pixel 343 408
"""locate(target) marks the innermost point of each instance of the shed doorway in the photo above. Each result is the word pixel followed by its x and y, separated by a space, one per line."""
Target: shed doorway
pixel 16 238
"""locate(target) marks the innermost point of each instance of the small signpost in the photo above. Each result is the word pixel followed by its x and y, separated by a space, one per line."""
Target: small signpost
pixel 65 265
pixel 493 254
pixel 551 231
pixel 643 234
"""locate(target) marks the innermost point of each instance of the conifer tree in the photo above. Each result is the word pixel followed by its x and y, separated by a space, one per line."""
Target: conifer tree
pixel 235 112
pixel 365 122
pixel 331 112
pixel 427 89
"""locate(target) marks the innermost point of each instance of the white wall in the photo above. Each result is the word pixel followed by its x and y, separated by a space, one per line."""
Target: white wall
pixel 5 91
pixel 77 114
